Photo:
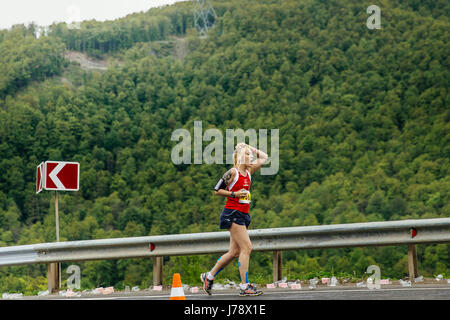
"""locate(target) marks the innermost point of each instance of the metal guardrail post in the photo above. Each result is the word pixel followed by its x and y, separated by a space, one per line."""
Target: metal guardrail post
pixel 277 273
pixel 412 262
pixel 157 271
pixel 54 273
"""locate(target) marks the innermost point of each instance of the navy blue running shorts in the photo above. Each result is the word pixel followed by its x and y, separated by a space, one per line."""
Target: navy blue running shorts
pixel 228 216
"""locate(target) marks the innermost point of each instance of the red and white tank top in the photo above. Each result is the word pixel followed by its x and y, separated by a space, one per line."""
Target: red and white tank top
pixel 239 182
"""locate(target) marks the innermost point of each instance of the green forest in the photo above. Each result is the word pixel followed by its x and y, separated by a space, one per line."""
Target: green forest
pixel 363 117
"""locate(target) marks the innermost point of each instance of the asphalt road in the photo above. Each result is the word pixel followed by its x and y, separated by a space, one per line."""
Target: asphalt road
pixel 416 292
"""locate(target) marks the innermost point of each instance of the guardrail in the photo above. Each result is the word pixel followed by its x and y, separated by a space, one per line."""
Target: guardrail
pixel 404 232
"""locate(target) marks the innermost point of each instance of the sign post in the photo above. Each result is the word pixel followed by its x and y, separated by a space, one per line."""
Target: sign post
pixel 57 176
pixel 56 216
pixel 57 265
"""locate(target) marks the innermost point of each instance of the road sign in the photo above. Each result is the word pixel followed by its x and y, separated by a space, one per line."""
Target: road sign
pixel 62 176
pixel 58 176
pixel 40 177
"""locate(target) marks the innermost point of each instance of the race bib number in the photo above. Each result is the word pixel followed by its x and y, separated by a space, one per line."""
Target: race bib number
pixel 246 199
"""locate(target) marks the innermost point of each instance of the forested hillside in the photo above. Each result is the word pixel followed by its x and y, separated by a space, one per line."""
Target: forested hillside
pixel 362 114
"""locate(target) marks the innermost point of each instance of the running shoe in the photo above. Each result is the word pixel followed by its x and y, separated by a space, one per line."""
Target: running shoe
pixel 207 284
pixel 250 291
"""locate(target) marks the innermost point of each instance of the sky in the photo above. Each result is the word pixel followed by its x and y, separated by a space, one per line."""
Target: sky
pixel 45 12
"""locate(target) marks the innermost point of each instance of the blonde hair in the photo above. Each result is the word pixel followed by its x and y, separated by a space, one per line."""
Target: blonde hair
pixel 237 154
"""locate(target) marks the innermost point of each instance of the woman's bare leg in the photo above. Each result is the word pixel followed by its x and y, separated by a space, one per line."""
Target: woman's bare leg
pixel 240 236
pixel 225 259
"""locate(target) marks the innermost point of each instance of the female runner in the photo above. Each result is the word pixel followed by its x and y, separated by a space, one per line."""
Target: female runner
pixel 235 216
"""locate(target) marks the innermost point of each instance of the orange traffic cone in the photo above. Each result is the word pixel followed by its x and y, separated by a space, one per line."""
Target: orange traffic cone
pixel 177 292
